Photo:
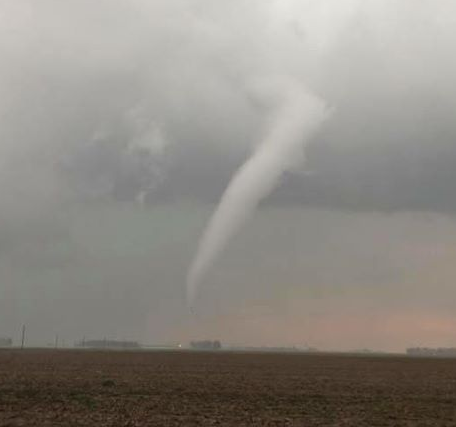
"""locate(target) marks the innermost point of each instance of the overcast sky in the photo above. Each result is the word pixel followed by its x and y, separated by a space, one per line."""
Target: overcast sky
pixel 122 121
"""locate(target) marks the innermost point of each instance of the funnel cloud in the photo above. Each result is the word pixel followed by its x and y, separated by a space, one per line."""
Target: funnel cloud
pixel 296 117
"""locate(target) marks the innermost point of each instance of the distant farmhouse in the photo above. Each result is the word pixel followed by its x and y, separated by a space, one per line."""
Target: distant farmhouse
pixel 6 342
pixel 205 345
pixel 431 352
pixel 108 344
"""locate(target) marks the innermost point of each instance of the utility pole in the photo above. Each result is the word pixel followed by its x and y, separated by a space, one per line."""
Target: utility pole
pixel 23 337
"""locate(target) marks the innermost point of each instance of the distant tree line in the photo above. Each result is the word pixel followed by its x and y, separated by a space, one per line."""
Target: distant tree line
pixel 111 344
pixel 6 342
pixel 425 351
pixel 206 345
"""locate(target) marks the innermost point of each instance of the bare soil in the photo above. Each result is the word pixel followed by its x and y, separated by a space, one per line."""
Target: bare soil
pixel 95 388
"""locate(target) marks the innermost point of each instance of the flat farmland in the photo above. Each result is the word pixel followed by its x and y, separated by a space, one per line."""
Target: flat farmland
pixel 108 388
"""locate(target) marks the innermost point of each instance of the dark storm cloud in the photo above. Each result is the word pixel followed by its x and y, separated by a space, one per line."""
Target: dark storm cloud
pixel 82 81
pixel 390 144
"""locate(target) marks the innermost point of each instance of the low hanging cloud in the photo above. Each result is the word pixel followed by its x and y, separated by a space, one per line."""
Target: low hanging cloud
pixel 81 82
pixel 153 101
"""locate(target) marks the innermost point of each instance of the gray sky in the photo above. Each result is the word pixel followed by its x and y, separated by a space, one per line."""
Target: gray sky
pixel 105 102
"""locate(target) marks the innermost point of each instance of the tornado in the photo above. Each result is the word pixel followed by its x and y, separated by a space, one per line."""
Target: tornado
pixel 296 116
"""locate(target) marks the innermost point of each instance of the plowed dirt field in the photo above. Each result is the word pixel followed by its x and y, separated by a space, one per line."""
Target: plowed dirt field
pixel 95 388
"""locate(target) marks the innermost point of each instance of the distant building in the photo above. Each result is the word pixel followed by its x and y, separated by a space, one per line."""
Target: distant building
pixel 6 342
pixel 205 345
pixel 109 344
pixel 270 349
pixel 432 352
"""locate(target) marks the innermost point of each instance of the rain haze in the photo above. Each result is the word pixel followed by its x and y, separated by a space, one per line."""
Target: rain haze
pixel 123 122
